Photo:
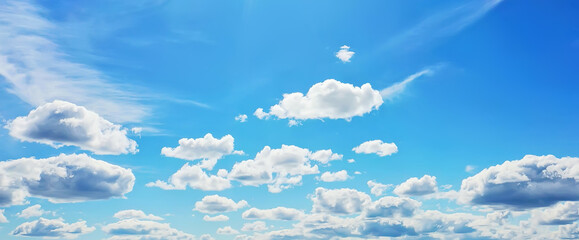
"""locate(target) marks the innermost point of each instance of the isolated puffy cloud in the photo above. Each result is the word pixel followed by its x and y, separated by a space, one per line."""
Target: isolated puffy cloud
pixel 136 214
pixel 345 54
pixel 32 211
pixel 52 228
pixel 256 226
pixel 64 178
pixel 208 148
pixel 328 99
pixel 218 218
pixel 334 176
pixel 534 181
pixel 378 147
pixel 325 156
pixel 392 207
pixel 417 187
pixel 278 213
pixel 227 230
pixel 2 217
pixel 62 123
pixel 241 118
pixel 279 168
pixel 558 214
pixel 377 188
pixel 135 229
pixel 194 177
pixel 339 201
pixel 218 204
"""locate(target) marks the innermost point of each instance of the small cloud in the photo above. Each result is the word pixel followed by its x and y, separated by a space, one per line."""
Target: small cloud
pixel 469 168
pixel 241 118
pixel 351 160
pixel 345 54
pixel 339 176
pixel 293 122
pixel 378 147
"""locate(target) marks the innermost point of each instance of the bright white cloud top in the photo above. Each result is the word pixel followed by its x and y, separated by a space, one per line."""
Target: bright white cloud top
pixel 32 211
pixel 207 148
pixel 218 204
pixel 417 187
pixel 134 229
pixel 376 146
pixel 196 178
pixel 345 54
pixel 62 123
pixel 62 179
pixel 338 176
pixel 136 214
pixel 329 99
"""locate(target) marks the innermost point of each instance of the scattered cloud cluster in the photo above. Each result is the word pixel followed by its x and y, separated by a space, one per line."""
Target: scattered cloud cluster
pixel 61 123
pixel 378 147
pixel 241 118
pixel 60 179
pixel 329 99
pixel 52 228
pixel 218 204
pixel 208 148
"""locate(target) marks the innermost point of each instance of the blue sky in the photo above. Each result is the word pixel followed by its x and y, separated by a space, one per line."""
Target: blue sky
pixel 289 119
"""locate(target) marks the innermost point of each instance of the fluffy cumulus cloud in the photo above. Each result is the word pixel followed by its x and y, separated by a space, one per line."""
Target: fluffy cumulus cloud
pixel 558 214
pixel 218 204
pixel 569 231
pixel 328 99
pixel 207 148
pixel 218 218
pixel 64 178
pixel 392 207
pixel 136 229
pixel 377 188
pixel 339 201
pixel 325 156
pixel 417 187
pixel 241 118
pixel 61 123
pixel 278 213
pixel 534 181
pixel 32 211
pixel 196 178
pixel 378 147
pixel 136 214
pixel 52 228
pixel 345 54
pixel 227 230
pixel 278 168
pixel 338 176
pixel 256 226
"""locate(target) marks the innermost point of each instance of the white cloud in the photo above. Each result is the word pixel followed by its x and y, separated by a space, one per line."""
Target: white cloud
pixel 135 229
pixel 344 54
pixel 227 230
pixel 559 214
pixel 278 213
pixel 2 217
pixel 194 177
pixel 338 176
pixel 218 204
pixel 534 181
pixel 392 207
pixel 52 228
pixel 62 123
pixel 397 88
pixel 64 178
pixel 378 147
pixel 218 218
pixel 256 226
pixel 206 237
pixel 325 156
pixel 279 168
pixel 376 188
pixel 241 118
pixel 329 99
pixel 339 201
pixel 417 187
pixel 38 71
pixel 469 168
pixel 32 211
pixel 351 160
pixel 136 214
pixel 569 231
pixel 208 148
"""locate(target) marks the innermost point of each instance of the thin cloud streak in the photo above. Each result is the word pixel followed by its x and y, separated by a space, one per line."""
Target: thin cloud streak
pixel 443 24
pixel 396 89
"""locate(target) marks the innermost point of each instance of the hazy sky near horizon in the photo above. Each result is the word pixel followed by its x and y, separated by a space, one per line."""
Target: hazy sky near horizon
pixel 167 119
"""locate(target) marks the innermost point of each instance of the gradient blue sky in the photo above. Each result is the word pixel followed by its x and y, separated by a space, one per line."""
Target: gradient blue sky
pixel 497 80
